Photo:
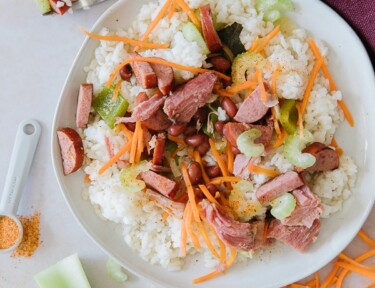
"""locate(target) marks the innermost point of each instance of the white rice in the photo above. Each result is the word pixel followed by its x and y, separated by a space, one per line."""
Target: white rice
pixel 156 241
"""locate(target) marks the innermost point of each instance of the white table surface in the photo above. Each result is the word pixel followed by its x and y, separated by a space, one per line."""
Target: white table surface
pixel 36 53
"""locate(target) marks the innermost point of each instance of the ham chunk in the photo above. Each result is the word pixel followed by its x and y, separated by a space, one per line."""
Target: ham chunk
pixel 252 109
pixel 185 100
pixel 165 77
pixel 278 186
pixel 159 149
pixel 157 122
pixel 84 105
pixel 298 237
pixel 162 184
pixel 146 109
pixel 145 75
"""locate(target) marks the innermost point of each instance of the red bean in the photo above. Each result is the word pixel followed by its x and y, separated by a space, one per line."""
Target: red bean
pixel 219 126
pixel 220 63
pixel 126 72
pixel 228 105
pixel 196 140
pixel 201 115
pixel 203 149
pixel 190 130
pixel 195 172
pixel 212 188
pixel 176 129
pixel 198 193
pixel 213 171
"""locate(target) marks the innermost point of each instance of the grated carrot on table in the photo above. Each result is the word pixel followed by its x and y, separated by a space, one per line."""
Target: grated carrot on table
pixel 197 157
pixel 116 91
pixel 162 62
pixel 317 279
pixel 190 13
pixel 330 277
pixel 155 22
pixel 264 171
pixel 347 114
pixel 191 194
pixel 219 160
pixel 220 180
pixel 207 277
pixel 355 268
pixel 125 40
pixel 265 40
pixel 355 263
pixel 222 93
pixel 115 158
pixel 365 238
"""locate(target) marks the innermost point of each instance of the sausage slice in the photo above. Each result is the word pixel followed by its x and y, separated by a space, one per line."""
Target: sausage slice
pixel 84 105
pixel 162 184
pixel 326 158
pixel 145 75
pixel 252 109
pixel 209 33
pixel 71 148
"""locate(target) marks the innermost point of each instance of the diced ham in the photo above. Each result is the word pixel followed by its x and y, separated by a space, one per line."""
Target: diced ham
pixel 252 109
pixel 308 208
pixel 141 97
pixel 157 122
pixel 159 149
pixel 326 158
pixel 146 109
pixel 185 100
pixel 160 183
pixel 208 28
pixel 261 241
pixel 235 234
pixel 165 77
pixel 298 237
pixel 71 148
pixel 84 105
pixel 176 208
pixel 278 186
pixel 241 166
pixel 145 75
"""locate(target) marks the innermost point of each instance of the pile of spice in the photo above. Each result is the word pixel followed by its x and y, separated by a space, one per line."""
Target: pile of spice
pixel 30 240
pixel 8 232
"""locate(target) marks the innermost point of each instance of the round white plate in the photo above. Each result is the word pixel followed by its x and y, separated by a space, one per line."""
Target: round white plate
pixel 351 68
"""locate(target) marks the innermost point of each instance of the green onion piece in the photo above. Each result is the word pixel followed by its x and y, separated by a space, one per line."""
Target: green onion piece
pixel 192 34
pixel 289 116
pixel 67 273
pixel 107 109
pixel 244 66
pixel 283 206
pixel 128 176
pixel 245 143
pixel 115 271
pixel 294 144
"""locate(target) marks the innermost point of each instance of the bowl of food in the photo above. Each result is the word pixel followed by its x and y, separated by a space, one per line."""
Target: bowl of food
pixel 218 143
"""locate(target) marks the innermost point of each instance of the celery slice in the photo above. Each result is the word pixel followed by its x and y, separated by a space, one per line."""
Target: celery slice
pixel 128 176
pixel 67 273
pixel 283 206
pixel 192 34
pixel 115 271
pixel 244 66
pixel 274 9
pixel 294 144
pixel 245 143
pixel 289 115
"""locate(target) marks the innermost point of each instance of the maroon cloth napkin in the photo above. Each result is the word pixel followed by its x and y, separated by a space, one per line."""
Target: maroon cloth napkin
pixel 360 14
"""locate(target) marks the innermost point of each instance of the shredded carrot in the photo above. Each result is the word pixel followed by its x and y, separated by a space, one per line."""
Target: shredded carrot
pixel 183 237
pixel 355 263
pixel 265 40
pixel 189 12
pixel 163 62
pixel 165 216
pixel 172 9
pixel 197 157
pixel 356 269
pixel 275 121
pixel 259 78
pixel 133 149
pixel 182 147
pixel 347 114
pixel 190 151
pixel 176 139
pixel 219 160
pixel 274 79
pixel 155 22
pixel 191 195
pixel 254 44
pixel 208 195
pixel 222 93
pixel 264 171
pixel 124 39
pixel 207 277
pixel 317 279
pixel 140 145
pixel 250 84
pixel 366 238
pixel 280 138
pixel 219 180
pixel 223 254
pixel 115 158
pixel 337 147
pixel 116 91
pixel 311 283
pixel 295 285
pixel 129 134
pixel 207 240
pixel 189 229
pixel 310 84
pixel 330 277
pixel 87 178
pixel 230 157
pixel 233 256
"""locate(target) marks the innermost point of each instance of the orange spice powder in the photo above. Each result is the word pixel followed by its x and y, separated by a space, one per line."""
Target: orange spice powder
pixel 8 232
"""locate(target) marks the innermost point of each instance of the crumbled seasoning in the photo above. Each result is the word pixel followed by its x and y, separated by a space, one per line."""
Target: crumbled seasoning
pixel 8 232
pixel 30 240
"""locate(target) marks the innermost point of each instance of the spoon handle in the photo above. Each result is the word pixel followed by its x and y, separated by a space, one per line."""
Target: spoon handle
pixel 27 138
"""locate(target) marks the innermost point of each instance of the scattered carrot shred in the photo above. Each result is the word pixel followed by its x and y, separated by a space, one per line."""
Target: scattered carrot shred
pixel 165 216
pixel 259 78
pixel 347 114
pixel 337 147
pixel 222 93
pixel 230 157
pixel 275 121
pixel 280 138
pixel 357 269
pixel 155 22
pixel 208 195
pixel 124 39
pixel 262 43
pixel 220 180
pixel 219 160
pixel 189 188
pixel 207 240
pixel 183 237
pixel 274 79
pixel 233 256
pixel 134 143
pixel 181 147
pixel 365 238
pixel 249 84
pixel 172 9
pixel 87 178
pixel 254 44
pixel 264 171
pixel 162 62
pixel 176 139
pixel 317 279
pixel 140 145
pixel 197 157
pixel 129 134
pixel 115 158
pixel 189 229
pixel 116 91
pixel 207 277
pixel 190 13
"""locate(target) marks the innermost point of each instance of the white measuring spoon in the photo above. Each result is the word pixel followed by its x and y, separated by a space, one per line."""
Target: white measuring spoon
pixel 27 137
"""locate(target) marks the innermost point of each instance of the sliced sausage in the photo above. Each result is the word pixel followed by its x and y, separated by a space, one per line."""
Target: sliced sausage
pixel 326 158
pixel 159 149
pixel 59 10
pixel 209 33
pixel 145 75
pixel 252 109
pixel 147 108
pixel 84 105
pixel 165 77
pixel 220 63
pixel 162 184
pixel 71 148
pixel 278 186
pixel 184 101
